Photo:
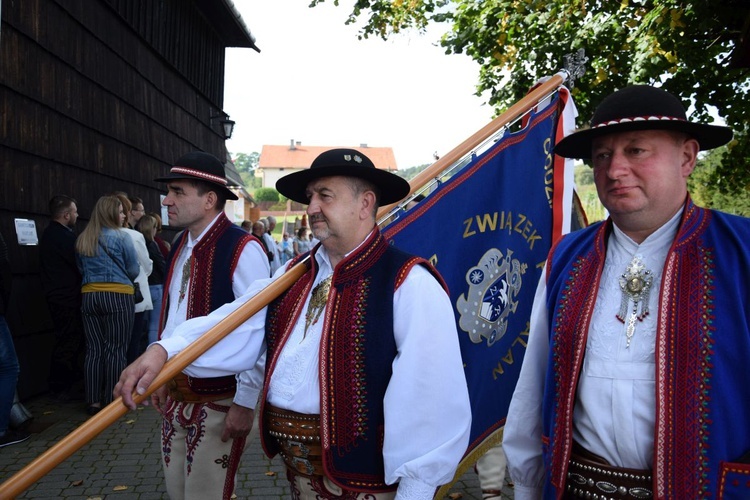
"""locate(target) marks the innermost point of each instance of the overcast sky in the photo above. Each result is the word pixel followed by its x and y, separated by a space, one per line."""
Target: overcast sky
pixel 316 82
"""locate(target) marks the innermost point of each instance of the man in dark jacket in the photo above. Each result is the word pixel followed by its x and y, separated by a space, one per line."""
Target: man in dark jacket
pixel 62 289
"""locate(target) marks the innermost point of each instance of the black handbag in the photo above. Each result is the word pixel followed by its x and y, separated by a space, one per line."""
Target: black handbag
pixel 137 294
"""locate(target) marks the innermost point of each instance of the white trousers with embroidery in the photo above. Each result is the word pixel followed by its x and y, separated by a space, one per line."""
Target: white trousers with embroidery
pixel 197 464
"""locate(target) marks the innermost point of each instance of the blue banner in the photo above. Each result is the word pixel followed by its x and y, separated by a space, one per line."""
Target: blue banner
pixel 488 230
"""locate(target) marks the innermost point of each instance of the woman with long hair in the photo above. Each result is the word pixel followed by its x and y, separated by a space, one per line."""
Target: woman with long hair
pixel 108 264
pixel 137 338
pixel 148 226
pixel 164 246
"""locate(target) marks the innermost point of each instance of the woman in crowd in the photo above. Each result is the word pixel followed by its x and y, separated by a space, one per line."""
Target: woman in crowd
pixel 137 338
pixel 148 226
pixel 287 250
pixel 163 245
pixel 108 264
pixel 301 243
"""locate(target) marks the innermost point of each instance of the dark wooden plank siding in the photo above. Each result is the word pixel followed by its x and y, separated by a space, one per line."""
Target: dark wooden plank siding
pixel 177 31
pixel 95 96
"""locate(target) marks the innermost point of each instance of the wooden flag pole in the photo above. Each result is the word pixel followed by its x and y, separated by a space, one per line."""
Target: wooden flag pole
pixel 453 156
pixel 87 431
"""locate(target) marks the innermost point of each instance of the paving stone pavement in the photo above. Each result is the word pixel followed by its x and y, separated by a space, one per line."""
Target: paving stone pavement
pixel 123 462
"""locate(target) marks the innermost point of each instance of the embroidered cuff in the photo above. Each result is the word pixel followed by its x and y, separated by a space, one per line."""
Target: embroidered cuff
pixel 414 489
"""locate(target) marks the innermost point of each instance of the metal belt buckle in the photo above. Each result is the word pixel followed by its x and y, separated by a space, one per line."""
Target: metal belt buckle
pixel 298 449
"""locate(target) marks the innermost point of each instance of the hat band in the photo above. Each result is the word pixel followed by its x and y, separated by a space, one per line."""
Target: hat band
pixel 198 173
pixel 639 119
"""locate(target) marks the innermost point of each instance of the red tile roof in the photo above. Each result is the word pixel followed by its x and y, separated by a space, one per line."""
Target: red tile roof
pixel 302 156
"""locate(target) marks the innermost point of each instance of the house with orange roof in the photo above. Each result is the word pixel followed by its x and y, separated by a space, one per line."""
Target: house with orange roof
pixel 277 161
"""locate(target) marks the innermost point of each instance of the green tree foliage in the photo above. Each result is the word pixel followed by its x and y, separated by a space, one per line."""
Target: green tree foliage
pixel 583 175
pixel 251 181
pixel 700 185
pixel 246 165
pixel 246 162
pixel 584 179
pixel 266 194
pixel 411 172
pixel 684 46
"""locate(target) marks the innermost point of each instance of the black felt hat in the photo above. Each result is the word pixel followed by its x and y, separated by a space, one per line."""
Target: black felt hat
pixel 640 107
pixel 348 163
pixel 198 165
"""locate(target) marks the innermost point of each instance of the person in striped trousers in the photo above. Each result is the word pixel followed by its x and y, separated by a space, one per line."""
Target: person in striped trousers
pixel 108 263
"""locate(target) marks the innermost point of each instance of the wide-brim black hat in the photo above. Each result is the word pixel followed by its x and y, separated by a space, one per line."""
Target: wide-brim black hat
pixel 348 163
pixel 640 107
pixel 201 166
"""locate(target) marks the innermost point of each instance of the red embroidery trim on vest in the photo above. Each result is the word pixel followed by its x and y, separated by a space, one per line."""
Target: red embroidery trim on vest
pixel 684 360
pixel 353 420
pixel 572 319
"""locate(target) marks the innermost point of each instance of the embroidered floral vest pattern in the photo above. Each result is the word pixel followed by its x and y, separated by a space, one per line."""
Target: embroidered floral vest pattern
pixel 702 387
pixel 357 350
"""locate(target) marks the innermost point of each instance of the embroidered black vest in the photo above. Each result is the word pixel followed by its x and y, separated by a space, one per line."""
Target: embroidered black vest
pixel 215 257
pixel 356 354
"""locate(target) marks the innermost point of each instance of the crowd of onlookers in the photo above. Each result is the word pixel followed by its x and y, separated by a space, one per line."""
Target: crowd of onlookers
pixel 122 263
pixel 280 251
pixel 104 290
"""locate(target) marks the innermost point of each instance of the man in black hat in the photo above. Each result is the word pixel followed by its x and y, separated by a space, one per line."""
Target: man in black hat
pixel 206 417
pixel 364 394
pixel 635 380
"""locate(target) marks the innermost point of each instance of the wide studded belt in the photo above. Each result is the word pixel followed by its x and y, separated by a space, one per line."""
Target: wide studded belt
pixel 591 477
pixel 186 389
pixel 298 435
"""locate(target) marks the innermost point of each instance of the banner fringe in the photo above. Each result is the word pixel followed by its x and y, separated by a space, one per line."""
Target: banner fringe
pixel 470 459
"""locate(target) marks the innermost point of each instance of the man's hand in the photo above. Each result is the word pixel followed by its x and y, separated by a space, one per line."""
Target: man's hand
pixel 237 423
pixel 139 375
pixel 159 399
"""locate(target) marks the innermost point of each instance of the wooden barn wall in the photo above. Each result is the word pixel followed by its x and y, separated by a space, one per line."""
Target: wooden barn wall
pixel 179 33
pixel 86 107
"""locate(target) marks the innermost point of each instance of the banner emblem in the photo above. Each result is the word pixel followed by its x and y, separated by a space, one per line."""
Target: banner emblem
pixel 494 284
pixel 495 233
